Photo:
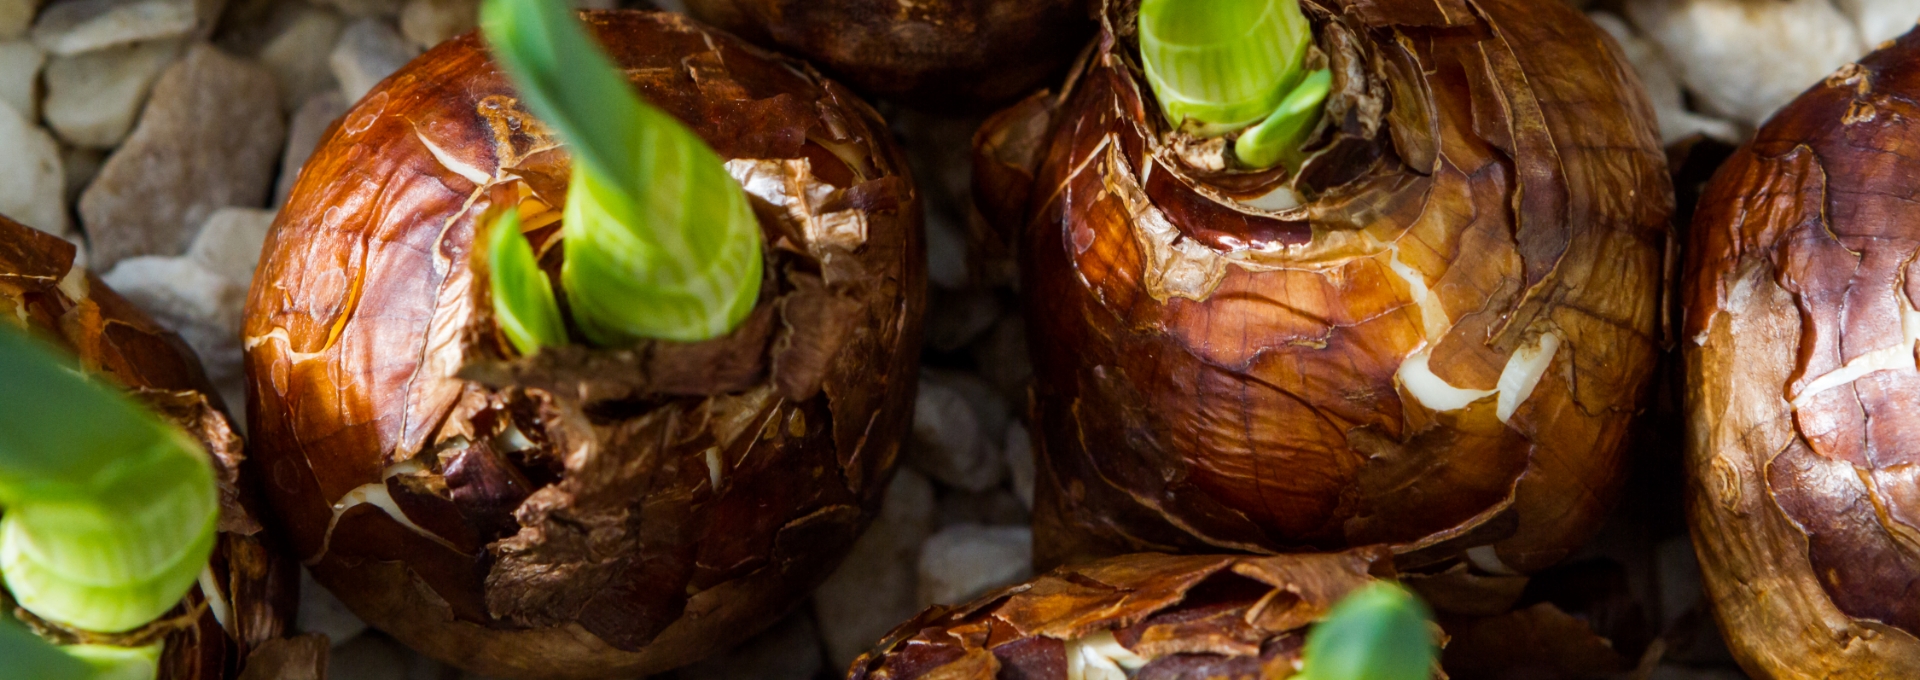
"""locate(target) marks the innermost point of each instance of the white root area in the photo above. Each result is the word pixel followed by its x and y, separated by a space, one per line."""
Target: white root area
pixel 377 495
pixel 1100 657
pixel 216 601
pixel 1889 358
pixel 1518 377
pixel 1488 560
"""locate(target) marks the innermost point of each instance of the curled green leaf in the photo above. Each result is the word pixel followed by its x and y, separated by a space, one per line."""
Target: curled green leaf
pixel 523 302
pixel 1222 63
pixel 110 513
pixel 660 240
pixel 28 656
pixel 1278 138
pixel 1379 632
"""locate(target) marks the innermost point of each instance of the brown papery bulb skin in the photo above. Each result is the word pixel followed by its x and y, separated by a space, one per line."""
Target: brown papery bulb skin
pixel 970 54
pixel 1803 490
pixel 1164 616
pixel 1436 342
pixel 210 636
pixel 582 513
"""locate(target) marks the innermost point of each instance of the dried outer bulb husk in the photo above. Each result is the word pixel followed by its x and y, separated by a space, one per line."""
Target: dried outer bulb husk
pixel 936 54
pixel 1144 615
pixel 240 614
pixel 1799 348
pixel 1432 336
pixel 582 512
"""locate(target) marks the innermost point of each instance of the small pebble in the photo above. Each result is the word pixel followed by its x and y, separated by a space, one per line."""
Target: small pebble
pixel 299 56
pixel 202 306
pixel 81 164
pixel 377 657
pixel 956 318
pixel 303 136
pixel 965 561
pixel 70 27
pixel 1002 357
pixel 230 241
pixel 1880 20
pixel 365 8
pixel 790 650
pixel 430 22
pixel 321 612
pixel 93 98
pixel 31 179
pixel 1712 44
pixel 368 51
pixel 1663 87
pixel 20 63
pixel 949 443
pixel 15 17
pixel 874 589
pixel 1019 448
pixel 998 505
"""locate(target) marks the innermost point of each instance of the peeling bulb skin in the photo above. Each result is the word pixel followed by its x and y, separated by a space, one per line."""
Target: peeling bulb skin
pixel 1432 335
pixel 931 54
pixel 1144 615
pixel 581 512
pixel 1800 291
pixel 247 593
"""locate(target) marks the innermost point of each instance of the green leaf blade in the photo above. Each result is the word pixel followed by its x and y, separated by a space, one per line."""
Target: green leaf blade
pixel 523 301
pixel 1278 138
pixel 1379 632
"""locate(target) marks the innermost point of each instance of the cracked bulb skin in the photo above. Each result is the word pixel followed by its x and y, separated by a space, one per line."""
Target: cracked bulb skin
pixel 932 54
pixel 241 626
pixel 1153 615
pixel 1433 336
pixel 1799 348
pixel 582 513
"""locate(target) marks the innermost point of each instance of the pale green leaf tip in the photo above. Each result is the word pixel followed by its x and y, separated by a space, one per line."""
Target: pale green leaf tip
pixel 523 301
pixel 1278 138
pixel 1379 632
pixel 1223 64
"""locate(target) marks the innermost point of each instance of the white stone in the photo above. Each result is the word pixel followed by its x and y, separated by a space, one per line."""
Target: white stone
pixel 790 650
pixel 874 589
pixel 230 241
pixel 1019 448
pixel 1880 20
pixel 298 55
pixel 93 98
pixel 965 561
pixel 31 180
pixel 1663 87
pixel 209 138
pixel 15 17
pixel 303 135
pixel 430 22
pixel 949 443
pixel 1742 59
pixel 321 612
pixel 69 27
pixel 202 306
pixel 20 63
pixel 368 51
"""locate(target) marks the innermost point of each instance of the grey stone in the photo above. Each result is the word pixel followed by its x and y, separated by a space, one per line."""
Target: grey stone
pixel 430 22
pixel 31 181
pixel 368 51
pixel 965 561
pixel 989 406
pixel 183 295
pixel 303 135
pixel 93 98
pixel 997 505
pixel 946 251
pixel 1880 20
pixel 230 241
pixel 949 443
pixel 298 55
pixel 375 656
pixel 874 589
pixel 365 8
pixel 1019 449
pixel 15 17
pixel 956 318
pixel 20 63
pixel 81 165
pixel 321 612
pixel 1002 357
pixel 790 650
pixel 70 27
pixel 208 139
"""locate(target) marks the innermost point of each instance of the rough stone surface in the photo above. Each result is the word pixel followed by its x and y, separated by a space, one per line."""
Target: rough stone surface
pixel 70 27
pixel 1714 44
pixel 183 295
pixel 15 17
pixel 303 134
pixel 949 443
pixel 229 242
pixel 31 180
pixel 321 612
pixel 93 98
pixel 1019 449
pixel 368 50
pixel 874 589
pixel 298 55
pixel 20 63
pixel 428 22
pixel 965 561
pixel 790 650
pixel 1663 87
pixel 208 139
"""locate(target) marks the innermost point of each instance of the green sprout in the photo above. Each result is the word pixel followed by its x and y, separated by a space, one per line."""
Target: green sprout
pixel 1222 66
pixel 1379 632
pixel 522 297
pixel 109 513
pixel 660 240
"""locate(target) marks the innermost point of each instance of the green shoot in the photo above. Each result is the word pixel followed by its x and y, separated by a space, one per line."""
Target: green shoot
pixel 28 656
pixel 660 240
pixel 522 297
pixel 1379 632
pixel 1224 64
pixel 1278 138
